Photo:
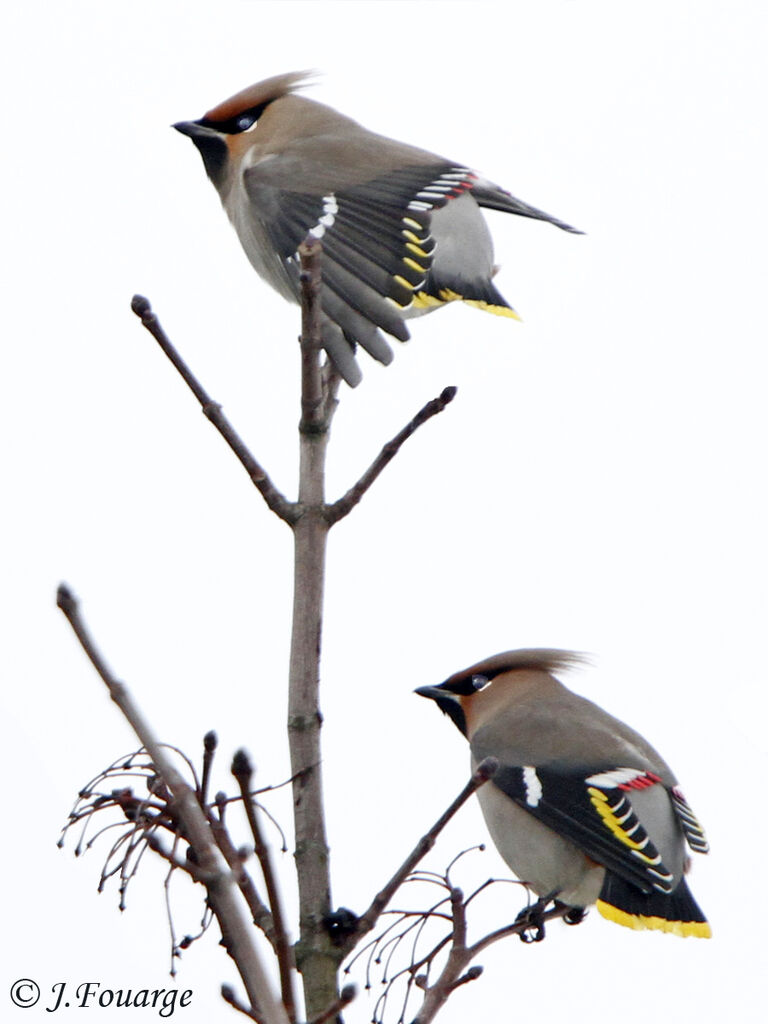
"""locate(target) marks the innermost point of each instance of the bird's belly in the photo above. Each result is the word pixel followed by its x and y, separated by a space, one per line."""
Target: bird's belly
pixel 538 856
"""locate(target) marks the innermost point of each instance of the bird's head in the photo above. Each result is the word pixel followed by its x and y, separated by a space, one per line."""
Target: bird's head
pixel 219 131
pixel 457 696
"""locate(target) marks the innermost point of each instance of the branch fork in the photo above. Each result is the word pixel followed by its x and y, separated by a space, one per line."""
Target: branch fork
pixel 217 863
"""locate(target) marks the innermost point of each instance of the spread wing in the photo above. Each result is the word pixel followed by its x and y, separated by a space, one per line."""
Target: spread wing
pixel 376 232
pixel 376 235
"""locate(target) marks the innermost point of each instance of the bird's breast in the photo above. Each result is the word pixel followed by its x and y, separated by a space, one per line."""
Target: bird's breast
pixel 256 243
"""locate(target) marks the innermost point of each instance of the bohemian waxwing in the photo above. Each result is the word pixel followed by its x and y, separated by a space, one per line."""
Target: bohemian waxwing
pixel 401 228
pixel 582 808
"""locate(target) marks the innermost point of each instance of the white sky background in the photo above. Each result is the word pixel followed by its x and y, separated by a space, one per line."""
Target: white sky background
pixel 598 483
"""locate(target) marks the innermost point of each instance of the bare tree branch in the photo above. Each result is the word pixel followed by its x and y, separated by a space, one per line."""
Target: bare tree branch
pixel 156 844
pixel 220 883
pixel 450 977
pixel 210 742
pixel 276 501
pixel 461 955
pixel 345 504
pixel 316 957
pixel 312 391
pixel 518 927
pixel 484 771
pixel 260 914
pixel 183 810
pixel 228 995
pixel 243 773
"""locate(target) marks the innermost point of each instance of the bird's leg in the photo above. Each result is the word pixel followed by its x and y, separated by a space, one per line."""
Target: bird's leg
pixel 533 918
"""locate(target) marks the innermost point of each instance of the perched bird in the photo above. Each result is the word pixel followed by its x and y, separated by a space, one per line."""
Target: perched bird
pixel 581 808
pixel 401 228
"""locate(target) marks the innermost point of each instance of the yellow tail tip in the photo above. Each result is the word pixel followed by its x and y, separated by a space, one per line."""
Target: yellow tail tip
pixel 697 929
pixel 447 295
pixel 423 300
pixel 489 307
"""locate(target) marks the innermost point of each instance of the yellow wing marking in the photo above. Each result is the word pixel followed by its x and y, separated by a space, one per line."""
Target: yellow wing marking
pixel 616 825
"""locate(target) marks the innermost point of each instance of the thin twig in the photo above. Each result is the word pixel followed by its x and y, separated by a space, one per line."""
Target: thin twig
pixel 461 955
pixel 221 886
pixel 459 938
pixel 484 771
pixel 172 857
pixel 155 843
pixel 210 742
pixel 243 773
pixel 259 911
pixel 458 958
pixel 276 501
pixel 345 504
pixel 558 910
pixel 228 995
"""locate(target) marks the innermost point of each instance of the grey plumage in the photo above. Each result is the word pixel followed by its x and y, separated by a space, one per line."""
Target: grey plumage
pixel 401 228
pixel 582 807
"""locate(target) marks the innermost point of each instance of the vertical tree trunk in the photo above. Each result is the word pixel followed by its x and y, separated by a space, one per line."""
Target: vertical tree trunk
pixel 316 958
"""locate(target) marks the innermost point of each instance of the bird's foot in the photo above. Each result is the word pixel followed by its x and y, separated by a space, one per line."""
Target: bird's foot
pixel 533 919
pixel 574 915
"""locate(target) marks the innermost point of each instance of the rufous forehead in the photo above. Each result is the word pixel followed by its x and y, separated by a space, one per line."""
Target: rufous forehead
pixel 243 100
pixel 259 94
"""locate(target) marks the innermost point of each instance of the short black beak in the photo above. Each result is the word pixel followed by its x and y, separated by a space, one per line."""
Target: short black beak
pixel 191 128
pixel 433 692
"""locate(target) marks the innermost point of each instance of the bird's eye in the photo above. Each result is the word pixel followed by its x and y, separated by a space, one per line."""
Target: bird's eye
pixel 244 121
pixel 479 682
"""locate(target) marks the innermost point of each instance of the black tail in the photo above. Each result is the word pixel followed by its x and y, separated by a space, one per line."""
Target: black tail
pixel 678 912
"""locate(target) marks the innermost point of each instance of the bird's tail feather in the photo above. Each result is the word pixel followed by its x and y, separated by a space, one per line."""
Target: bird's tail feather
pixel 494 198
pixel 676 912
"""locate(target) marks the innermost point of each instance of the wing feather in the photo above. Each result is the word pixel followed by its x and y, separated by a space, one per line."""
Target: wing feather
pixel 595 813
